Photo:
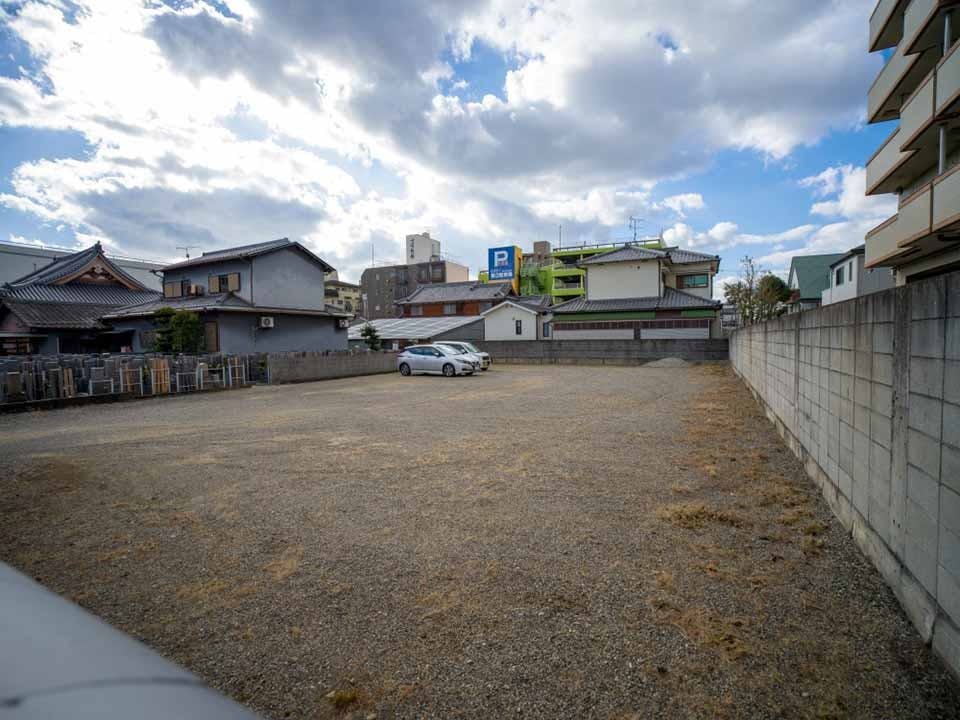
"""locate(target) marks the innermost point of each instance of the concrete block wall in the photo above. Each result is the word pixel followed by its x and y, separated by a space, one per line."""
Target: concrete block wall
pixel 867 394
pixel 306 366
pixel 610 352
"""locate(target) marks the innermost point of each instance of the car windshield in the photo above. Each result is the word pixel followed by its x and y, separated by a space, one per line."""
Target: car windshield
pixel 471 347
pixel 453 349
pixel 447 350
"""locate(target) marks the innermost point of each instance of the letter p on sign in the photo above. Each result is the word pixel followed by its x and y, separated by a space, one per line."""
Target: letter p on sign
pixel 500 258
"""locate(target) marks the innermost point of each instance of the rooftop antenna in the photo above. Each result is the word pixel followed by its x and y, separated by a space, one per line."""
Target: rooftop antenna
pixel 559 236
pixel 186 249
pixel 635 223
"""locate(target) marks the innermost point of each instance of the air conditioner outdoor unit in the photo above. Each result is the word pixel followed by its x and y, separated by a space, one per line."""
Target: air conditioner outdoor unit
pixel 343 322
pixel 266 322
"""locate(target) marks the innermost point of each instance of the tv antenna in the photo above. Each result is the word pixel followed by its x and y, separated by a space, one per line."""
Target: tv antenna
pixel 635 224
pixel 187 248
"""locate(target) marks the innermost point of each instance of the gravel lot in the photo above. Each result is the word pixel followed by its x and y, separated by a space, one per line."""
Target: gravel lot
pixel 547 542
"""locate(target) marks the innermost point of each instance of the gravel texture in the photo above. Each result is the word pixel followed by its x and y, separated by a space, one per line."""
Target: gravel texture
pixel 534 541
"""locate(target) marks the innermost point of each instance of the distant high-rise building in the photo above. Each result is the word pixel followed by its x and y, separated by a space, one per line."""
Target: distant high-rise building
pixel 919 162
pixel 422 248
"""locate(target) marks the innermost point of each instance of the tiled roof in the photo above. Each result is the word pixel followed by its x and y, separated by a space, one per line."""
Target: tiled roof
pixel 457 292
pixel 534 302
pixel 83 293
pixel 671 300
pixel 57 315
pixel 68 265
pixel 247 251
pixel 419 328
pixel 681 257
pixel 194 302
pixel 227 302
pixel 628 253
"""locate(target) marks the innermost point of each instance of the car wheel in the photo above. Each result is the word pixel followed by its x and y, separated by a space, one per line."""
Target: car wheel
pixel 449 370
pixel 404 369
pixel 485 369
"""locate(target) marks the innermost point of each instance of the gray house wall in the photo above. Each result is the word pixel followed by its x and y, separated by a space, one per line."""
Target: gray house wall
pixel 287 278
pixel 200 275
pixel 867 394
pixel 873 280
pixel 239 333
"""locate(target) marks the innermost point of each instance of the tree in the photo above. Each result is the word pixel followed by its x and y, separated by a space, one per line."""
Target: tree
pixel 371 337
pixel 177 331
pixel 758 295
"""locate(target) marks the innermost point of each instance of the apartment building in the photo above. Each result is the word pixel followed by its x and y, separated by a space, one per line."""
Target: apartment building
pixel 919 88
pixel 381 287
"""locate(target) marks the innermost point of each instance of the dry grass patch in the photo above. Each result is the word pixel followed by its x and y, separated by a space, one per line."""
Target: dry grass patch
pixel 694 516
pixel 287 564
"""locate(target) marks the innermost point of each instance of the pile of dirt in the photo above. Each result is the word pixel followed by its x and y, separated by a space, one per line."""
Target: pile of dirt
pixel 670 362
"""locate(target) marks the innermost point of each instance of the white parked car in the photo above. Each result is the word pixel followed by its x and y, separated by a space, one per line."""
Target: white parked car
pixel 483 357
pixel 435 360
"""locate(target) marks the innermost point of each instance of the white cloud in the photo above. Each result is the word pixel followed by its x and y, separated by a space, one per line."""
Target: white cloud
pixel 328 122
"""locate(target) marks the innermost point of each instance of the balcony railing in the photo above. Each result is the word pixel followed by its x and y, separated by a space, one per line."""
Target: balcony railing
pixel 879 104
pixel 916 116
pixel 886 160
pixel 886 24
pixel 916 19
pixel 913 220
pixel 881 243
pixel 948 81
pixel 946 199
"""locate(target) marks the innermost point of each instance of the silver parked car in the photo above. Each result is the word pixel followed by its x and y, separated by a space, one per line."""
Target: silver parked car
pixel 483 357
pixel 435 360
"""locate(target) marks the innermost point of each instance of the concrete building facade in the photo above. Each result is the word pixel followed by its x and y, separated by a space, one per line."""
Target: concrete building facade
pixel 919 86
pixel 381 287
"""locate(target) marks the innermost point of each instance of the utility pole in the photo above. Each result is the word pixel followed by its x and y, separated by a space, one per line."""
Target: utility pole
pixel 635 223
pixel 186 249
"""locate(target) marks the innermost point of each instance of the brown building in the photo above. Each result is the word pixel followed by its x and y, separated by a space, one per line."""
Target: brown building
pixel 454 298
pixel 382 287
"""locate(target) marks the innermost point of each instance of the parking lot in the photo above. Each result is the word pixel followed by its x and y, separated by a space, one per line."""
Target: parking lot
pixel 547 542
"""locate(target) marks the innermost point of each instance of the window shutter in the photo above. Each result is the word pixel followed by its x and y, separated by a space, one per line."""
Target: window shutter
pixel 213 284
pixel 233 282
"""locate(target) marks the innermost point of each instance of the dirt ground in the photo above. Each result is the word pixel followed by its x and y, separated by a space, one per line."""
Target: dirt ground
pixel 550 542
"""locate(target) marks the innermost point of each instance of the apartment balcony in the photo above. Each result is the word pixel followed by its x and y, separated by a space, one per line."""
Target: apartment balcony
pixel 564 270
pixel 886 24
pixel 945 210
pixel 897 80
pixel 948 83
pixel 917 131
pixel 923 24
pixel 927 219
pixel 885 170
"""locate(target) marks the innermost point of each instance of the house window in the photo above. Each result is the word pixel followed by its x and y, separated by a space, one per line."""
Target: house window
pixel 519 326
pixel 416 309
pixel 175 289
pixel 546 330
pixel 839 277
pixel 450 309
pixel 436 272
pixel 693 281
pixel 228 282
pixel 850 271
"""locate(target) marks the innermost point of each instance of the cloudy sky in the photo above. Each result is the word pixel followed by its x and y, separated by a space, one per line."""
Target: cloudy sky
pixel 734 126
